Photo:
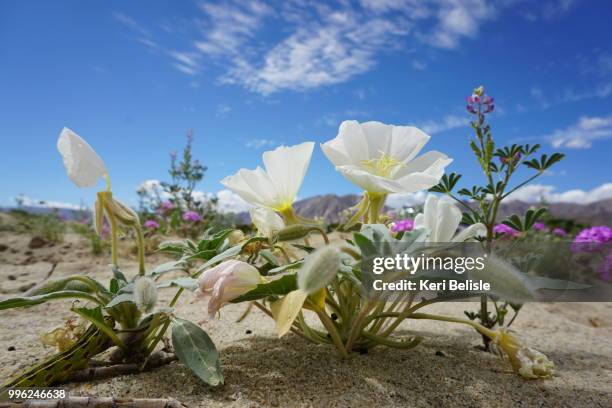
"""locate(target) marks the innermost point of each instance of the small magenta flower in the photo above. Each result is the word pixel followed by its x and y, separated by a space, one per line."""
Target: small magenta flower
pixel 151 224
pixel 560 232
pixel 191 216
pixel 402 225
pixel 539 226
pixel 592 239
pixel 505 230
pixel 166 206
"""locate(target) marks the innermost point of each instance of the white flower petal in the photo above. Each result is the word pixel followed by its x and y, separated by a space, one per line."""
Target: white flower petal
pixel 475 230
pixel 277 186
pixel 286 167
pixel 267 221
pixel 448 220
pixel 379 157
pixel 82 163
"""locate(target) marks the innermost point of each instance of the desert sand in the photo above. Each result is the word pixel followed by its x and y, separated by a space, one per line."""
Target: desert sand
pixel 447 369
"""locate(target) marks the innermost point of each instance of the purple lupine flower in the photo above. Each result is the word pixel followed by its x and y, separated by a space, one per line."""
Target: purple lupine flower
pixel 479 102
pixel 402 225
pixel 592 239
pixel 151 224
pixel 560 232
pixel 191 216
pixel 505 230
pixel 539 226
pixel 605 269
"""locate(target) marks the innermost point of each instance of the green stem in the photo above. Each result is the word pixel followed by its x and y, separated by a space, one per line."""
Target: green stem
pixel 480 328
pixel 330 327
pixel 141 249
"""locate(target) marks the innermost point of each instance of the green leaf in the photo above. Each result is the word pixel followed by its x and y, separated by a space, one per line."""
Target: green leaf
pixel 284 268
pixel 197 351
pixel 118 274
pixel 80 283
pixel 277 287
pixel 164 268
pixel 268 256
pixel 38 299
pixel 120 298
pixel 184 282
pixel 228 253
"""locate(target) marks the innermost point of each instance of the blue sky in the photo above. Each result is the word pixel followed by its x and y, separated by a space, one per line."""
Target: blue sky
pixel 132 77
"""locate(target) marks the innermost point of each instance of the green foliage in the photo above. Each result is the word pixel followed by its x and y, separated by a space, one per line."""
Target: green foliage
pixel 197 351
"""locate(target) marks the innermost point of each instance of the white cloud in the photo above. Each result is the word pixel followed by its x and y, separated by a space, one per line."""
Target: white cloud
pixel 398 201
pixel 318 43
pixel 582 134
pixel 458 20
pixel 230 202
pixel 26 201
pixel 259 143
pixel 229 26
pixel 331 52
pixel 447 123
pixel 538 192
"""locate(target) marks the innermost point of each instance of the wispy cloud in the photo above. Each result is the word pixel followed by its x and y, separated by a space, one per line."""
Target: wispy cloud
pixel 538 192
pixel 582 134
pixel 334 119
pixel 446 123
pixel 259 143
pixel 130 23
pixel 320 43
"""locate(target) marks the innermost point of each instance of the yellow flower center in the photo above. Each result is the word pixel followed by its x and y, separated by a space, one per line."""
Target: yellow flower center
pixel 383 166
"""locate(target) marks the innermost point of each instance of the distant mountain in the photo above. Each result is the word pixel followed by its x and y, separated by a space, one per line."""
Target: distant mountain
pixel 329 207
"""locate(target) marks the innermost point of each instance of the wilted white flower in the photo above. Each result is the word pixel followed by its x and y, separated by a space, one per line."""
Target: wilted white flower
pixel 442 218
pixel 227 281
pixel 382 158
pixel 83 165
pixel 277 186
pixel 267 221
pixel 527 362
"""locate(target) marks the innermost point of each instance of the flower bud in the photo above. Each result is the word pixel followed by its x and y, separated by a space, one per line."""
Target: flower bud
pixel 319 268
pixel 145 294
pixel 227 281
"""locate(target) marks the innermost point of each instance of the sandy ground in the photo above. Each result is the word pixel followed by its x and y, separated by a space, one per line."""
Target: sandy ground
pixel 261 370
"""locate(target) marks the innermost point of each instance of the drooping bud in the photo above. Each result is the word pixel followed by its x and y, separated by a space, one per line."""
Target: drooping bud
pixel 319 269
pixel 145 294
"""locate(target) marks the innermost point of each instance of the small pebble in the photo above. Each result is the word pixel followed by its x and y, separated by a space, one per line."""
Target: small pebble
pixel 11 348
pixel 440 353
pixel 248 331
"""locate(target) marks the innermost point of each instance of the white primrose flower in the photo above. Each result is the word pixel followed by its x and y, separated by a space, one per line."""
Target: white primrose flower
pixel 442 218
pixel 277 186
pixel 382 158
pixel 267 221
pixel 83 165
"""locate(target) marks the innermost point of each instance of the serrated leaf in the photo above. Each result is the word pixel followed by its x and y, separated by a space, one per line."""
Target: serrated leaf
pixel 196 350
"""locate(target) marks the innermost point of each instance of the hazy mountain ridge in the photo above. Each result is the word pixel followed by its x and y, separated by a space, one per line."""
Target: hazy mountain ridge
pixel 329 206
